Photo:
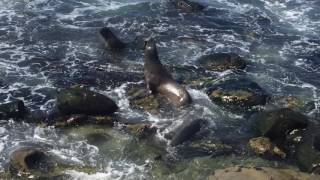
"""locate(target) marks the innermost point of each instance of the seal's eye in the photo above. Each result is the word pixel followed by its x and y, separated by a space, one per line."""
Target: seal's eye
pixel 145 44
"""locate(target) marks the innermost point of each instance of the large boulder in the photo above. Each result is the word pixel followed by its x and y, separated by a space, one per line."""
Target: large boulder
pixel 29 160
pixel 263 146
pixel 222 62
pixel 277 124
pixel 260 173
pixel 80 100
pixel 237 94
pixel 308 151
pixel 14 109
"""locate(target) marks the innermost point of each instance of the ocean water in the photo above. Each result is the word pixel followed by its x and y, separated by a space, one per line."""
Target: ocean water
pixel 46 45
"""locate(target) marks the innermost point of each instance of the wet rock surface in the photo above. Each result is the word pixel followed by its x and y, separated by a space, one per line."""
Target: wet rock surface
pixel 81 119
pixel 277 124
pixel 205 147
pixel 261 173
pixel 141 99
pixel 308 151
pixel 28 160
pixel 263 146
pixel 80 100
pixel 222 62
pixel 237 94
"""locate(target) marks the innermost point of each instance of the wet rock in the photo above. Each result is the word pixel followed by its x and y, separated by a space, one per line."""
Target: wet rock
pixel 189 75
pixel 29 160
pixel 222 62
pixel 308 151
pixel 80 119
pixel 14 109
pixel 261 173
pixel 188 6
pixel 263 146
pixel 186 131
pixel 277 124
pixel 80 100
pixel 237 94
pixel 141 99
pixel 142 131
pixel 204 147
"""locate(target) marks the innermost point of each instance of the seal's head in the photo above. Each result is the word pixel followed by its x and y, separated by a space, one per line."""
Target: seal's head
pixel 150 50
pixel 110 39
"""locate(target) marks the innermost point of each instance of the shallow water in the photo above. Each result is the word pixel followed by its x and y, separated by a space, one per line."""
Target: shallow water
pixel 46 45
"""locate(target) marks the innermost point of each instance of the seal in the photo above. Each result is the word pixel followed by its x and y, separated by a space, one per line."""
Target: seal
pixel 188 6
pixel 110 39
pixel 159 80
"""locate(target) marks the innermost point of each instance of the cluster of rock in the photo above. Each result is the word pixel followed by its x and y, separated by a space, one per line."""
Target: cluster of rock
pixel 281 133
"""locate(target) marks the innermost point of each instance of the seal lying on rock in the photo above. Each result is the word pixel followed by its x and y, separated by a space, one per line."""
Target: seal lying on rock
pixel 159 80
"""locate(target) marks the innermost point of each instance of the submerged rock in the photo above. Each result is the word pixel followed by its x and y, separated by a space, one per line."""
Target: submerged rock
pixel 222 61
pixel 260 173
pixel 204 147
pixel 29 160
pixel 142 131
pixel 81 119
pixel 308 151
pixel 263 146
pixel 80 100
pixel 237 94
pixel 277 124
pixel 14 109
pixel 188 6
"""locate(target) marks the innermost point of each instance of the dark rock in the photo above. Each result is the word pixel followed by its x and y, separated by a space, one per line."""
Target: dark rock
pixel 186 131
pixel 263 146
pixel 15 109
pixel 188 6
pixel 141 99
pixel 222 61
pixel 237 94
pixel 80 119
pixel 308 151
pixel 80 100
pixel 277 124
pixel 29 160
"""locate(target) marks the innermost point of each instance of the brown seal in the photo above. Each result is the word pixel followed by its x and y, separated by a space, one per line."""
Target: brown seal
pixel 159 80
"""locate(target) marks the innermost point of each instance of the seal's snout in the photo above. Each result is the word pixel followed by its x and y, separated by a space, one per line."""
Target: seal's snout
pixel 150 44
pixel 106 32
